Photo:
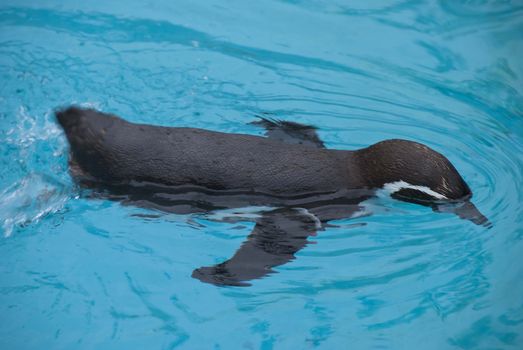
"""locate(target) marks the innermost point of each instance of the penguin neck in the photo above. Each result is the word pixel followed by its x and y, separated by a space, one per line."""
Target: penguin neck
pixel 376 170
pixel 352 170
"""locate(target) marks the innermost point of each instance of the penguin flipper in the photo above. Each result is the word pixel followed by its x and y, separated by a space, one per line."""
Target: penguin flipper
pixel 290 132
pixel 276 237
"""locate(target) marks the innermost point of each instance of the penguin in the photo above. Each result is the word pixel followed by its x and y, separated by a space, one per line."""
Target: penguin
pixel 288 170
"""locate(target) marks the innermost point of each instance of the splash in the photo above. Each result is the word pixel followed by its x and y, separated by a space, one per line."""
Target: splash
pixel 29 200
pixel 31 129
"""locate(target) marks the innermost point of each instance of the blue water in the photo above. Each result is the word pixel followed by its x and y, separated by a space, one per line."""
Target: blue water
pixel 84 273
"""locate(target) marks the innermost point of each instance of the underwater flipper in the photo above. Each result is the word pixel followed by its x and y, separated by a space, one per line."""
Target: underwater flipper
pixel 290 132
pixel 276 237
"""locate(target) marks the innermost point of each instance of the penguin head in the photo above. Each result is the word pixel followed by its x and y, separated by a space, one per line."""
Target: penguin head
pixel 413 172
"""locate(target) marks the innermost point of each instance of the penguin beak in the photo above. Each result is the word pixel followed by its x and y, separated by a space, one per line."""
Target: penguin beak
pixel 465 210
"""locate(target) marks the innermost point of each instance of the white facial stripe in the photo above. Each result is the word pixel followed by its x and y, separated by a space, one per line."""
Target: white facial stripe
pixel 398 185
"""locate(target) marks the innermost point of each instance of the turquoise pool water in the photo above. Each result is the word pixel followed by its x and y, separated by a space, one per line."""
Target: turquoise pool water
pixel 84 273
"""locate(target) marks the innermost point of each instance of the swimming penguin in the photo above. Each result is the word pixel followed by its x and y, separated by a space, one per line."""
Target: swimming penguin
pixel 187 170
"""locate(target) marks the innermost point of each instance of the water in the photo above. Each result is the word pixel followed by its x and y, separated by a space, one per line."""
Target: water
pixel 84 273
